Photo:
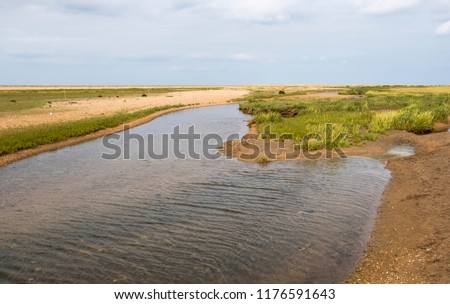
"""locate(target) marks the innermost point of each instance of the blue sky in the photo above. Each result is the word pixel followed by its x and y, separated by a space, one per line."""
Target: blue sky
pixel 96 42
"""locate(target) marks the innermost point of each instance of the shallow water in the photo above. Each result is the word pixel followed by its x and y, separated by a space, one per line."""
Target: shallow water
pixel 70 217
pixel 329 94
pixel 326 94
pixel 403 150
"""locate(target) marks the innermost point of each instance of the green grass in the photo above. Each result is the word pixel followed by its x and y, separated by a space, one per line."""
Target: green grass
pixel 315 123
pixel 263 159
pixel 383 122
pixel 285 107
pixel 361 119
pixel 19 100
pixel 257 95
pixel 363 90
pixel 13 140
pixel 414 120
pixel 267 117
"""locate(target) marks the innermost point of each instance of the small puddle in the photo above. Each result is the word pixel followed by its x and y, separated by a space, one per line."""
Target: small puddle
pixel 403 150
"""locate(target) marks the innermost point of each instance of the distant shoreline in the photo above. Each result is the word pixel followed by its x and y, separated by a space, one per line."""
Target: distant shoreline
pixel 99 87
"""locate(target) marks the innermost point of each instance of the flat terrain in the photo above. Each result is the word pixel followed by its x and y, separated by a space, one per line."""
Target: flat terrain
pixel 60 109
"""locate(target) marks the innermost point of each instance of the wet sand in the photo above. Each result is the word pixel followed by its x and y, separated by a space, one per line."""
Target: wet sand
pixel 411 240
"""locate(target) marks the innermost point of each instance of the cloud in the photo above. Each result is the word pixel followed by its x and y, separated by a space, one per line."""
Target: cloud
pixel 380 7
pixel 156 41
pixel 443 29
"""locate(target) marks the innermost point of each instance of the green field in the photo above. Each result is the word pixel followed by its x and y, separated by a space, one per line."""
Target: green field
pixel 13 140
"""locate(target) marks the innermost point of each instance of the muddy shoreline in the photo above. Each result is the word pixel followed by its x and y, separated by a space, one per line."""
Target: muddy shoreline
pixel 411 239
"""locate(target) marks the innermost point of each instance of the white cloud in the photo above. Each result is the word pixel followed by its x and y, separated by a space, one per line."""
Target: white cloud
pixel 443 29
pixel 380 7
pixel 163 41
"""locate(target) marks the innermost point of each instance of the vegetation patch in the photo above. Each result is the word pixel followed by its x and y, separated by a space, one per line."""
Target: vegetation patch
pixel 382 109
pixel 13 140
pixel 259 95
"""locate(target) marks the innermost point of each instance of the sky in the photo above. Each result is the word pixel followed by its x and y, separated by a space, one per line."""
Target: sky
pixel 224 42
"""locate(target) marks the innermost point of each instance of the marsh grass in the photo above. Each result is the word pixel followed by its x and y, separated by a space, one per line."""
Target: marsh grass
pixel 285 108
pixel 383 121
pixel 13 140
pixel 270 117
pixel 438 89
pixel 258 95
pixel 362 90
pixel 263 159
pixel 414 120
pixel 366 90
pixel 315 123
pixel 362 119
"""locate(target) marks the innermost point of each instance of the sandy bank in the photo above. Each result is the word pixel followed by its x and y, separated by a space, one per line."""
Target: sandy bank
pixel 411 239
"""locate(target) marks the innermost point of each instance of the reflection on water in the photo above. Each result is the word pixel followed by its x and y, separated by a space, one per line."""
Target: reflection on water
pixel 69 217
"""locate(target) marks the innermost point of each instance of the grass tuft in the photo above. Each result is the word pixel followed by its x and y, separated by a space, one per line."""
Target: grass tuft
pixel 416 121
pixel 263 159
pixel 267 117
pixel 383 122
